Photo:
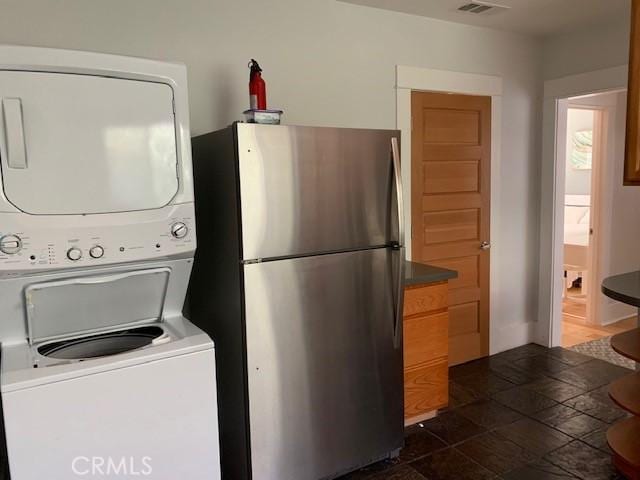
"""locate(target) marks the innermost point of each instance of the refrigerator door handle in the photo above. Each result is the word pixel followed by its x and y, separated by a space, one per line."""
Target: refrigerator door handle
pixel 399 287
pixel 399 281
pixel 395 156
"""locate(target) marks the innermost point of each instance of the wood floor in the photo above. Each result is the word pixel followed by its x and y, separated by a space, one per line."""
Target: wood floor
pixel 575 330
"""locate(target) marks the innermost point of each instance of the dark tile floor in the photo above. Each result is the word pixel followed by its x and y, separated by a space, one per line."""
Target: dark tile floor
pixel 531 413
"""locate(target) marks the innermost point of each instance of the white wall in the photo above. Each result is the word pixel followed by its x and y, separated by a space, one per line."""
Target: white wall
pixel 624 211
pixel 577 182
pixel 587 50
pixel 325 63
pixel 578 63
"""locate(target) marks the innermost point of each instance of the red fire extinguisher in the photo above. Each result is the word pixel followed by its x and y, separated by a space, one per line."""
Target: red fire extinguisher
pixel 257 87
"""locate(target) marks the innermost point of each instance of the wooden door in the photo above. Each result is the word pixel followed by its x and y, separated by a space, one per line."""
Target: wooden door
pixel 632 157
pixel 450 198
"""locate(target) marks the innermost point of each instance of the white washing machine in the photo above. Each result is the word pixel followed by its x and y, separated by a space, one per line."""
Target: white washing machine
pixel 101 375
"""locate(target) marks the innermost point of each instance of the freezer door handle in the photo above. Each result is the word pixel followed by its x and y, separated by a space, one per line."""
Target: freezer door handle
pixel 399 290
pixel 395 156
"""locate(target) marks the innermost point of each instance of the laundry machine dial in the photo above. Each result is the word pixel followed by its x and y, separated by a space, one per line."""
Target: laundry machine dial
pixel 10 244
pixel 179 230
pixel 96 251
pixel 74 253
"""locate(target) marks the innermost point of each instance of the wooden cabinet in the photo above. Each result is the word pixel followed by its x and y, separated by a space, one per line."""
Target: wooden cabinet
pixel 426 351
pixel 623 437
pixel 632 157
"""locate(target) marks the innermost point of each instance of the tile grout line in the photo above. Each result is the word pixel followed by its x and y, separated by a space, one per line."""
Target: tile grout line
pixel 531 397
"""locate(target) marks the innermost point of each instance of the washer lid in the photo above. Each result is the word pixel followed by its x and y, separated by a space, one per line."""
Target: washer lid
pixel 80 305
pixel 76 144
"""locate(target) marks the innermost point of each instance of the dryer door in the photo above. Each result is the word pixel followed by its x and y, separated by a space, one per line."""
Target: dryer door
pixel 76 144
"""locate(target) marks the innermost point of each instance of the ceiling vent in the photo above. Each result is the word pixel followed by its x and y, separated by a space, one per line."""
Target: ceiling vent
pixel 482 7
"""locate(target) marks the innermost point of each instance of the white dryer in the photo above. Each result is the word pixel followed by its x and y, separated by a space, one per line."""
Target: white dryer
pixel 101 375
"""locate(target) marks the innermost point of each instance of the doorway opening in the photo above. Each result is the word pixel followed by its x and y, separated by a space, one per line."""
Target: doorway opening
pixel 596 241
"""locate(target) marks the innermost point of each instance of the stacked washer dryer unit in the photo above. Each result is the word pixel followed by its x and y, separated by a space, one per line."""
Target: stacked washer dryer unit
pixel 101 376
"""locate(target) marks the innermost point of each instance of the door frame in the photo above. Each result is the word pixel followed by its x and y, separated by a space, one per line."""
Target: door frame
pixel 550 284
pixel 601 116
pixel 410 79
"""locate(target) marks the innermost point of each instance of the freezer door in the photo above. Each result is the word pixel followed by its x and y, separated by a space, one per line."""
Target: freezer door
pixel 325 377
pixel 82 144
pixel 307 190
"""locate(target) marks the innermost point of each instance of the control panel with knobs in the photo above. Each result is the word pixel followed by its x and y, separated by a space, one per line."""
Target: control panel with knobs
pixel 74 254
pixel 39 245
pixel 10 244
pixel 179 230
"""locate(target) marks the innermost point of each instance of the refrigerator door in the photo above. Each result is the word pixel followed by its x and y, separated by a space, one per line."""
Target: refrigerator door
pixel 324 369
pixel 307 190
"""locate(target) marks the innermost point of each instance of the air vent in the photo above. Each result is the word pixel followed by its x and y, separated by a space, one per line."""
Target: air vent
pixel 481 7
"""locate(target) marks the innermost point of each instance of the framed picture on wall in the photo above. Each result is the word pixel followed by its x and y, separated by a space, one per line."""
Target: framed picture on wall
pixel 582 150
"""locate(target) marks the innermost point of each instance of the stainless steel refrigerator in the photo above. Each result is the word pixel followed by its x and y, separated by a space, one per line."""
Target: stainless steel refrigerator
pixel 298 279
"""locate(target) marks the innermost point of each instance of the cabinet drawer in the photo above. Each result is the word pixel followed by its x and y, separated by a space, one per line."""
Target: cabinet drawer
pixel 426 338
pixel 425 299
pixel 425 389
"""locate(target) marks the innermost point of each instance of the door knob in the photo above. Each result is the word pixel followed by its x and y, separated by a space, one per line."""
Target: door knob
pixel 485 246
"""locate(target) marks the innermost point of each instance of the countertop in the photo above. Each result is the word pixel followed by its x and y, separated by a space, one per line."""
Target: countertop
pixel 625 288
pixel 420 273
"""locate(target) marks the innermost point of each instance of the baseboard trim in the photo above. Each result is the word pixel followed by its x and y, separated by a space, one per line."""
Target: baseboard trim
pixel 613 311
pixel 513 336
pixel 618 319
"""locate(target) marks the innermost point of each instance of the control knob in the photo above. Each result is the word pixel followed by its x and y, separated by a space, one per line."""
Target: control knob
pixel 74 254
pixel 96 251
pixel 179 230
pixel 10 244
